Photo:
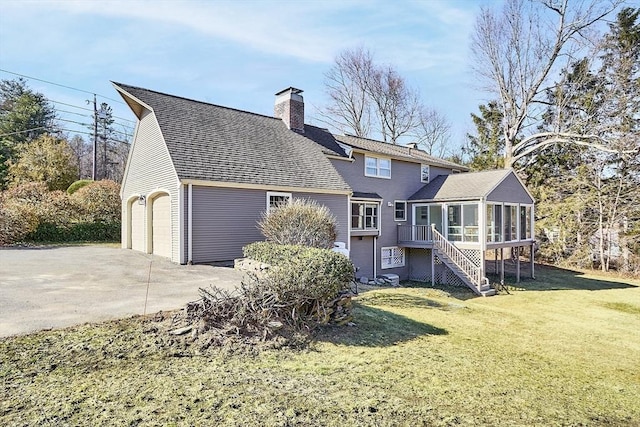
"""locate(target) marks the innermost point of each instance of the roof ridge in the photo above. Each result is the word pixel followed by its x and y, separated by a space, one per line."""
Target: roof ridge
pixel 124 85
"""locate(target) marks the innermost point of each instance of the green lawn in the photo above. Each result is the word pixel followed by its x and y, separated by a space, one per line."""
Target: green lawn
pixel 561 350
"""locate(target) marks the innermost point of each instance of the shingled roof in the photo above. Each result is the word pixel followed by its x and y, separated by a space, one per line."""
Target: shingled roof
pixel 461 186
pixel 213 143
pixel 396 151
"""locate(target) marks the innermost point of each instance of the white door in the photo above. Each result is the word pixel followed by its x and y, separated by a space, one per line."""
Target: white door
pixel 137 227
pixel 161 226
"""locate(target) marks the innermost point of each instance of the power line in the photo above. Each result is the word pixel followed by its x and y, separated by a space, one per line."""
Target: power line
pixel 22 131
pixel 61 85
pixel 89 109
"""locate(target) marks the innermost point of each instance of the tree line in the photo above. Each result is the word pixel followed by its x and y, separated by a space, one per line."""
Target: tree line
pixel 34 147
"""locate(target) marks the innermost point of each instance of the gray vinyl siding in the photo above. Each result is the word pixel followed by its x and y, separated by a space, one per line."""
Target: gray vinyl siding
pixel 225 219
pixel 361 255
pixel 435 171
pixel 150 170
pixel 510 190
pixel 338 205
pixel 404 182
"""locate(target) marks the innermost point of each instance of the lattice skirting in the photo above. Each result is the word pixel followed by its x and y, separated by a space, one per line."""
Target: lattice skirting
pixel 420 269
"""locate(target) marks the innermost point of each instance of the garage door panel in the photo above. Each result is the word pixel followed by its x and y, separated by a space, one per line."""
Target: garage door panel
pixel 161 226
pixel 137 227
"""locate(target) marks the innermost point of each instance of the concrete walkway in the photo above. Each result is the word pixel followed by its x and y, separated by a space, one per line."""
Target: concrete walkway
pixel 55 287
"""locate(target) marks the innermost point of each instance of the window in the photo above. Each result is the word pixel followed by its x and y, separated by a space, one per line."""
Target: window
pixel 494 223
pixel 392 256
pixel 463 222
pixel 424 173
pixel 277 199
pixel 454 215
pixel 470 223
pixel 364 216
pixel 525 222
pixel 377 167
pixel 510 223
pixel 400 211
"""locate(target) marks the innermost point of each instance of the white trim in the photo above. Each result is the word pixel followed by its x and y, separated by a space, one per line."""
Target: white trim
pixel 276 194
pixel 349 225
pixel 378 216
pixel 190 225
pixel 181 221
pixel 405 210
pixel 263 187
pixel 377 158
pixel 345 159
pixel 392 249
pixel 375 257
pixel 422 165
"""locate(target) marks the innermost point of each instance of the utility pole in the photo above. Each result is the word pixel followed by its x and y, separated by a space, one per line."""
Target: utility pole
pixel 95 138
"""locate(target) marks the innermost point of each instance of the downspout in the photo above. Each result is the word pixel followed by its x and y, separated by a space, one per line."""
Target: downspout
pixel 375 257
pixel 190 225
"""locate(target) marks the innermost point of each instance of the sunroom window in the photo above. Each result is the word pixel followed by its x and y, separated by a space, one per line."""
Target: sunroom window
pixel 494 223
pixel 463 222
pixel 525 222
pixel 510 223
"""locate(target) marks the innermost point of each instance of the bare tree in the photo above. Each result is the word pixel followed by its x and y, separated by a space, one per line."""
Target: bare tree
pixel 366 98
pixel 432 132
pixel 349 106
pixel 517 53
pixel 396 104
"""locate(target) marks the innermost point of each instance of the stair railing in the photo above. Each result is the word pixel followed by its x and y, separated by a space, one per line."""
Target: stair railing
pixel 457 257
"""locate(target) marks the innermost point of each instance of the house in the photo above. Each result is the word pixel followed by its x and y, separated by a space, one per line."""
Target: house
pixel 199 176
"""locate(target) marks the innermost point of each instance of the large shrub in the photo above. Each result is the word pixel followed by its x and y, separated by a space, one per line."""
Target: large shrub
pixel 301 222
pixel 31 213
pixel 99 201
pixel 17 220
pixel 78 185
pixel 308 273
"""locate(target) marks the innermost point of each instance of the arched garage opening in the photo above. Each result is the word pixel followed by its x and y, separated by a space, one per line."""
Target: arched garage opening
pixel 160 222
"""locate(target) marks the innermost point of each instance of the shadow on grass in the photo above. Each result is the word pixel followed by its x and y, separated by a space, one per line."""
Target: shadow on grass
pixel 375 327
pixel 550 278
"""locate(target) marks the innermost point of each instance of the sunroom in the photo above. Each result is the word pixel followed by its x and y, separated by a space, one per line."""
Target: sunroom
pixel 469 215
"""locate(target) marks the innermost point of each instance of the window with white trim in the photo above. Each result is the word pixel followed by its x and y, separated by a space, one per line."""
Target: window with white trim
pixel 424 173
pixel 377 167
pixel 400 210
pixel 392 257
pixel 364 216
pixel 275 199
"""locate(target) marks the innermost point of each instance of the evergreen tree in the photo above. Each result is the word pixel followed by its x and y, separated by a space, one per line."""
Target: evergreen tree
pixel 25 115
pixel 486 147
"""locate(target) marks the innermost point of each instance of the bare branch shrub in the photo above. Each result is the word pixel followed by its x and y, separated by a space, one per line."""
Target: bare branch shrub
pixel 301 222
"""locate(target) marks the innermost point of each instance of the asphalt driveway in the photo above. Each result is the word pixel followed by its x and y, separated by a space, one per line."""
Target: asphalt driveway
pixel 54 287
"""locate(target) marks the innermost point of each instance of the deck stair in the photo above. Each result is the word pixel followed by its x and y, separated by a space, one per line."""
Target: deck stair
pixel 461 265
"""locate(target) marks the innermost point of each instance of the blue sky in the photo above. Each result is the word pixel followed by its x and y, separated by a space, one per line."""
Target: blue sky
pixel 238 53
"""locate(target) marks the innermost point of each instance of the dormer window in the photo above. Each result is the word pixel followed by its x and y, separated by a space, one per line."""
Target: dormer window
pixel 377 167
pixel 424 173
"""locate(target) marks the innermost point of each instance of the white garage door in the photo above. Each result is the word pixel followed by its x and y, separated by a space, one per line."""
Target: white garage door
pixel 137 227
pixel 161 233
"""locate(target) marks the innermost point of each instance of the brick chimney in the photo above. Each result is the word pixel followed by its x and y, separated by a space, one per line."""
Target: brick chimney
pixel 290 108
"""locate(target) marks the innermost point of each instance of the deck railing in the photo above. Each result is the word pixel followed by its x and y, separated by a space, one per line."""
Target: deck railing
pixel 414 233
pixel 457 257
